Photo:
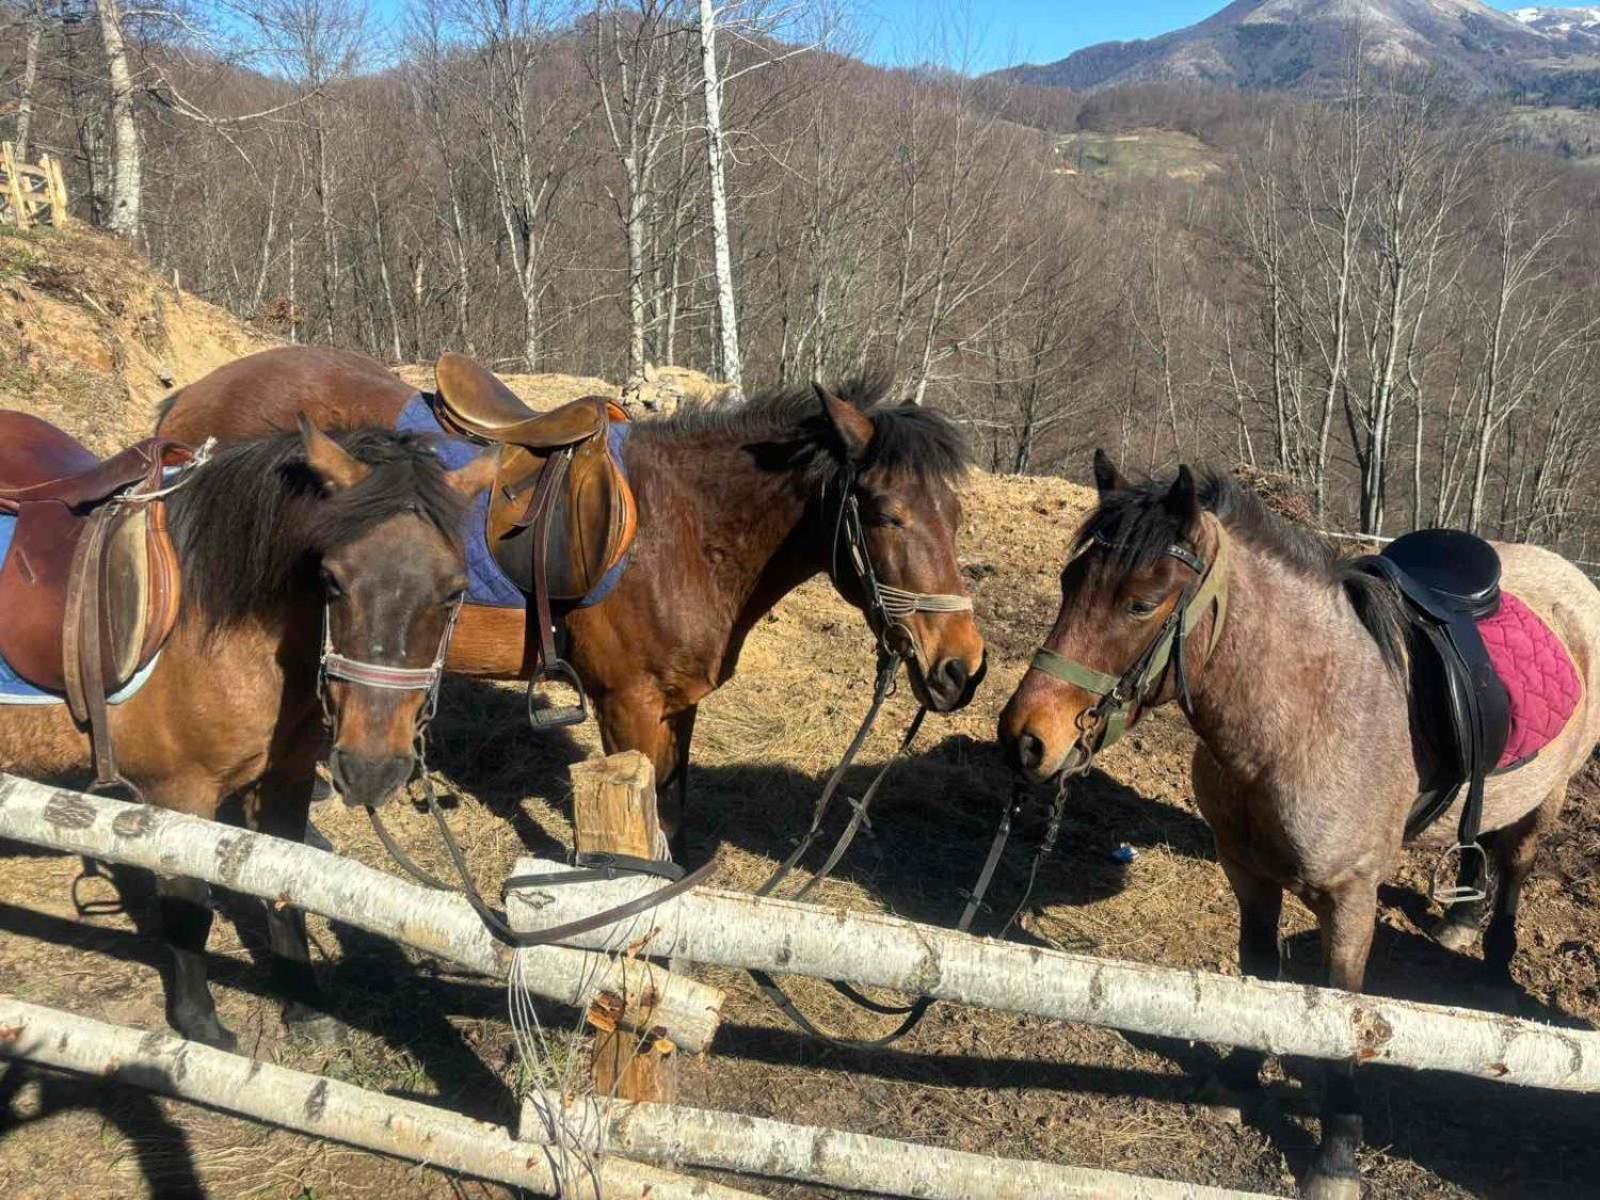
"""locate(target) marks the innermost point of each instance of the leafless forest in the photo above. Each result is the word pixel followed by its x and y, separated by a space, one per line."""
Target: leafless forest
pixel 1385 293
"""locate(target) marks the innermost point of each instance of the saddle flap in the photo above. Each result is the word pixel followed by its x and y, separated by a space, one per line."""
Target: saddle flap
pixel 592 521
pixel 135 577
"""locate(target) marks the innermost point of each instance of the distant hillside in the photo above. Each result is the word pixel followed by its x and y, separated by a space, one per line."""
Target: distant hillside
pixel 1300 44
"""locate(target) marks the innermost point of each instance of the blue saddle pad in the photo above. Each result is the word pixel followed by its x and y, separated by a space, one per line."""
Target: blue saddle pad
pixel 487 584
pixel 14 689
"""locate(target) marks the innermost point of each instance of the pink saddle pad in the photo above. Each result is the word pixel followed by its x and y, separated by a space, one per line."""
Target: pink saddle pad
pixel 1538 674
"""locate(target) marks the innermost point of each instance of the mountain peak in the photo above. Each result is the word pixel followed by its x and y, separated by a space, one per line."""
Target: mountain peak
pixel 1300 43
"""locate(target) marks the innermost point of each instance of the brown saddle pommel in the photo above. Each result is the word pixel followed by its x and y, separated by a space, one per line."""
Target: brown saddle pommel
pixel 90 588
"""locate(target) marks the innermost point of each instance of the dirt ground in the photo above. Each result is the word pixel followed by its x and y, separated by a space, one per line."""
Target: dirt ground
pixel 969 1079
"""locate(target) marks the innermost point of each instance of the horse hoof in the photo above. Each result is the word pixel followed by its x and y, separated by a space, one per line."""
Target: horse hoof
pixel 309 1025
pixel 1331 1187
pixel 1453 935
pixel 211 1033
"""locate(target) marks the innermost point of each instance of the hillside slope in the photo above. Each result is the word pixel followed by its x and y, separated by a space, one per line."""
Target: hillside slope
pixel 91 338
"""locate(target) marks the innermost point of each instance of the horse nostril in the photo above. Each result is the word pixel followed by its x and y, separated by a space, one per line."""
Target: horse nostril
pixel 1029 751
pixel 953 674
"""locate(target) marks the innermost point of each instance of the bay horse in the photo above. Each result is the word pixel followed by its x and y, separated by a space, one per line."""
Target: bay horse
pixel 738 505
pixel 318 575
pixel 1294 678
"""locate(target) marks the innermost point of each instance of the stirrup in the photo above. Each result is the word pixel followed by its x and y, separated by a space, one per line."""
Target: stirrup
pixel 1458 893
pixel 543 720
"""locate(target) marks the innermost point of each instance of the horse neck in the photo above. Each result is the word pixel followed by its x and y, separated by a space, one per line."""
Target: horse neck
pixel 1296 680
pixel 756 531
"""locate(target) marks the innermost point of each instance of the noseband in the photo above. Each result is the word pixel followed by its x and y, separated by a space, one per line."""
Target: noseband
pixel 334 665
pixel 1121 697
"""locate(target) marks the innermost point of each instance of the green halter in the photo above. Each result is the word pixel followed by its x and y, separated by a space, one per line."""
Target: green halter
pixel 1120 697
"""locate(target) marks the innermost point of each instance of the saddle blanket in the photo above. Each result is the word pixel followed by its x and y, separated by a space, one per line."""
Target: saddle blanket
pixel 487 584
pixel 16 690
pixel 1538 674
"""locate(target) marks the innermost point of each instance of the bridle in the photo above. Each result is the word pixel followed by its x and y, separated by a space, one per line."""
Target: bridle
pixel 887 607
pixel 333 665
pixel 1121 697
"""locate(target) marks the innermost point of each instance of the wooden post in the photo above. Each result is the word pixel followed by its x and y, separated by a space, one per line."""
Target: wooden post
pixel 19 203
pixel 59 216
pixel 614 811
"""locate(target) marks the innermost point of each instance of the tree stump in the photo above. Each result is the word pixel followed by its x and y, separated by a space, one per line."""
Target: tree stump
pixel 614 811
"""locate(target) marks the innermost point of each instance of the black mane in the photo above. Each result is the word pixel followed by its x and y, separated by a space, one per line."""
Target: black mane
pixel 785 429
pixel 251 524
pixel 1133 528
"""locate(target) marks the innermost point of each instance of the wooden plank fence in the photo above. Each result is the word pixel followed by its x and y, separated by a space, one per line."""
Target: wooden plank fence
pixel 31 193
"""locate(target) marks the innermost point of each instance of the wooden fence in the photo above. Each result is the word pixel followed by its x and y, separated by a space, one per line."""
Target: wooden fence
pixel 31 194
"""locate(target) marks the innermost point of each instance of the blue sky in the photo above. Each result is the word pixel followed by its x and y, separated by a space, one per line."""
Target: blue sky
pixel 998 33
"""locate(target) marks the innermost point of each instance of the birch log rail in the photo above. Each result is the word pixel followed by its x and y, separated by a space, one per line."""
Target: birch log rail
pixel 739 930
pixel 647 997
pixel 322 1107
pixel 701 1137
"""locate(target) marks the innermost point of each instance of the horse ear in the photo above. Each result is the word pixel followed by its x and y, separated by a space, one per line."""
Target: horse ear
pixel 1106 476
pixel 471 478
pixel 330 462
pixel 849 422
pixel 1182 500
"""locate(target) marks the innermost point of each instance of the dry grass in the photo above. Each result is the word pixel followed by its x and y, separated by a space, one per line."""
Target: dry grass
pixel 968 1079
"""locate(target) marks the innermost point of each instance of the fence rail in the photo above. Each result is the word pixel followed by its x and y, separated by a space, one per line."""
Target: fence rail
pixel 31 193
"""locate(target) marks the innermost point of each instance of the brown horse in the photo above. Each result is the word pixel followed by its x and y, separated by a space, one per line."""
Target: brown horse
pixel 1296 686
pixel 737 506
pixel 278 540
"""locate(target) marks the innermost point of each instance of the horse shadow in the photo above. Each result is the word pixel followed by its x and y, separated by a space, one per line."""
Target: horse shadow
pixel 369 984
pixel 161 1148
pixel 932 825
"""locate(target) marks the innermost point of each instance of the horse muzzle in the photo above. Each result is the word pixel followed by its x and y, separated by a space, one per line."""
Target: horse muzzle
pixel 368 781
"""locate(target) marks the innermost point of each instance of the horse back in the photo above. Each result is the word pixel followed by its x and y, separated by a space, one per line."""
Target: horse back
pixel 262 393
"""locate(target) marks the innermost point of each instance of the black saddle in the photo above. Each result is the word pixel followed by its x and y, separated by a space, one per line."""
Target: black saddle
pixel 1449 581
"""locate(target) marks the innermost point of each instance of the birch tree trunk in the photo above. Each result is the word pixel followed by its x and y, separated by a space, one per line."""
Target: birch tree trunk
pixel 30 72
pixel 733 929
pixel 671 1133
pixel 127 187
pixel 727 316
pixel 276 870
pixel 320 1106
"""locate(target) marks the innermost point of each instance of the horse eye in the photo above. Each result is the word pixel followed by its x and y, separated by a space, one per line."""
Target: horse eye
pixel 886 520
pixel 331 586
pixel 1141 608
pixel 455 597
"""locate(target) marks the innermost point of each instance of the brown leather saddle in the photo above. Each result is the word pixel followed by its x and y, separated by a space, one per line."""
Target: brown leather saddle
pixel 90 589
pixel 561 515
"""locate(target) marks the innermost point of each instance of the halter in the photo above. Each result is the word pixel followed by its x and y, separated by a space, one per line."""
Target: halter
pixel 334 665
pixel 1120 698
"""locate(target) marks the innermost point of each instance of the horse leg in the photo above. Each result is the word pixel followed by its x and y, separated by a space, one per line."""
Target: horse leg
pixel 1461 924
pixel 185 906
pixel 1260 910
pixel 681 725
pixel 1347 917
pixel 1514 849
pixel 634 720
pixel 282 803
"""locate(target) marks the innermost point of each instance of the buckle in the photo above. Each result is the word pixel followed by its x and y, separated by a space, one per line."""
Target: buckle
pixel 544 720
pixel 1458 893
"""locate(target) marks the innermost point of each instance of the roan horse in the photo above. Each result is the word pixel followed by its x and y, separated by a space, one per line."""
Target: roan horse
pixel 279 540
pixel 1305 770
pixel 738 505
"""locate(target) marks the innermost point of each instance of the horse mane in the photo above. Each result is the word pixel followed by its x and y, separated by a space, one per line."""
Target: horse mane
pixel 785 429
pixel 1134 527
pixel 251 523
